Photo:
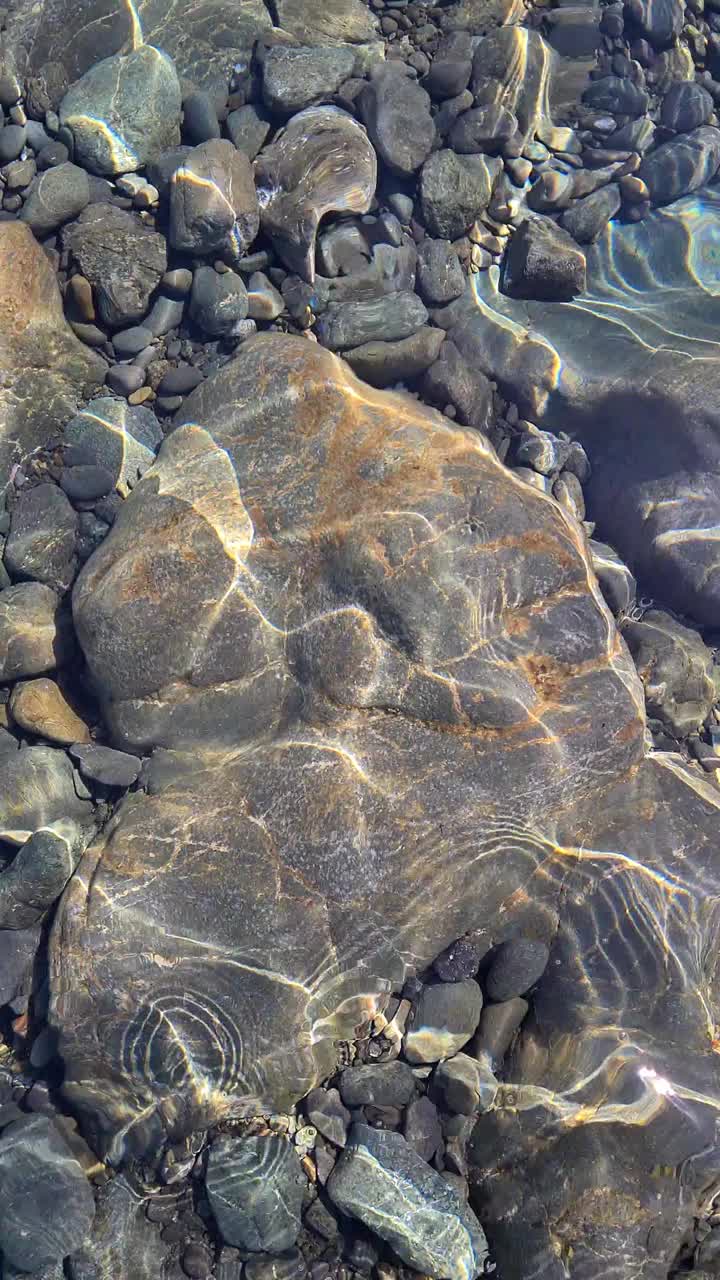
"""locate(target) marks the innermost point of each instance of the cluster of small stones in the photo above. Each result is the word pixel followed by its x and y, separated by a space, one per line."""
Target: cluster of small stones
pixel 147 303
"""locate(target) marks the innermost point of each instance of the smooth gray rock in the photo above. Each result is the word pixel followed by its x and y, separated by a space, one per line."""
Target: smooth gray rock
pixel 454 191
pixel 105 765
pixel 123 259
pixel 381 1180
pixel 297 77
pixel 122 1243
pixel 121 438
pixel 48 1205
pixel 38 787
pixel 422 1128
pixel 446 1016
pixel 618 95
pixel 248 127
pixel 465 1085
pixel 325 1109
pixel 213 205
pixel 498 1024
pixel 351 323
pixel 459 382
pixel 659 20
pixel 681 165
pixel 39 871
pixel 516 966
pixel 543 262
pixel 41 541
pixel 57 195
pixel 451 66
pixel 384 363
pixel 485 129
pixel 255 1189
pixel 217 301
pixel 382 1084
pixel 200 122
pixel 124 111
pixel 396 111
pixel 35 633
pixel 586 219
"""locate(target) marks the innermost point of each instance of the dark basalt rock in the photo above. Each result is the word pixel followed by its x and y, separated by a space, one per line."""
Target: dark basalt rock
pixel 384 363
pixel 446 1016
pixel 451 66
pixel 381 1084
pixel 452 380
pixel 122 439
pixel 659 20
pixel 616 94
pixel 396 111
pixel 454 191
pixel 543 262
pixel 122 258
pixel 485 129
pixel 39 872
pixel 382 1180
pixel 255 1189
pixel 586 219
pixel 248 127
pixel 48 1205
pixel 516 966
pixel 218 301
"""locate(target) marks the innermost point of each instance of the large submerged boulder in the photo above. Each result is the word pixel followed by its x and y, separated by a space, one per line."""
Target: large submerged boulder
pixel 386 704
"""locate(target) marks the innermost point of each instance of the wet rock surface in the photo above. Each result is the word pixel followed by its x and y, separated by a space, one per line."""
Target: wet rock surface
pixel 359 762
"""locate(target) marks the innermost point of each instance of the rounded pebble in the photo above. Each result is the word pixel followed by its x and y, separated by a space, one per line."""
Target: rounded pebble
pixel 516 966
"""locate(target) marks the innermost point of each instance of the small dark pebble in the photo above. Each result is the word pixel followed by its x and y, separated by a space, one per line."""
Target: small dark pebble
pixel 516 966
pixel 179 381
pixel 123 379
pixel 106 765
pixel 128 342
pixel 460 960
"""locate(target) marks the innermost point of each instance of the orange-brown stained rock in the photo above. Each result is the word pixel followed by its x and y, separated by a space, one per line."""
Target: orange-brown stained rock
pixel 393 707
pixel 40 707
pixel 44 368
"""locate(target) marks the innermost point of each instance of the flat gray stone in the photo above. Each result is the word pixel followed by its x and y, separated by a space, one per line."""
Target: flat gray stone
pixel 381 1180
pixel 396 111
pixel 454 191
pixel 255 1189
pixel 297 77
pixel 445 1017
pixel 57 195
pixel 122 438
pixel 390 318
pixel 41 541
pixel 543 262
pixel 35 633
pixel 213 205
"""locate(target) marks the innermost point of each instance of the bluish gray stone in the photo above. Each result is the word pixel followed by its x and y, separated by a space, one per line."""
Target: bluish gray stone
pixel 516 966
pixel 57 195
pixel 681 165
pixel 454 191
pixel 396 111
pixel 40 870
pixel 380 1083
pixel 105 765
pixel 47 1201
pixel 248 127
pixel 41 542
pixel 255 1189
pixel 686 105
pixel 381 1180
pixel 124 111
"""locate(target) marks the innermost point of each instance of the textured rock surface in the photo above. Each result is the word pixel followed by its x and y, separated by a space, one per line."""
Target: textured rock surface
pixel 45 369
pixel 48 1204
pixel 123 259
pixel 396 111
pixel 382 1180
pixel 675 668
pixel 313 556
pixel 255 1189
